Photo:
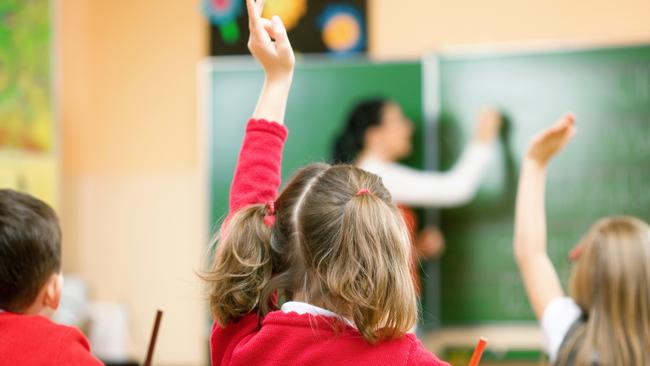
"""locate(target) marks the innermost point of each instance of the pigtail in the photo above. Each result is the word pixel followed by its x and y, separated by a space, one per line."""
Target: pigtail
pixel 382 288
pixel 242 265
pixel 356 249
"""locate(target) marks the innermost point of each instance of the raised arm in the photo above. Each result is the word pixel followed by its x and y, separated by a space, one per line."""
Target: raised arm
pixel 270 45
pixel 444 189
pixel 257 174
pixel 436 189
pixel 242 265
pixel 538 274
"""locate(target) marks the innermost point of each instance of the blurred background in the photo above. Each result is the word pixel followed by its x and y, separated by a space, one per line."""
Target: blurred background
pixel 101 116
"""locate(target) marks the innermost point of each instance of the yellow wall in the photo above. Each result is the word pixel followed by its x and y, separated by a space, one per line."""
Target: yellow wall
pixel 411 28
pixel 133 201
pixel 133 211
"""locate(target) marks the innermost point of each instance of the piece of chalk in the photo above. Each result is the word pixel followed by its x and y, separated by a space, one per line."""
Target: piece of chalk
pixel 478 352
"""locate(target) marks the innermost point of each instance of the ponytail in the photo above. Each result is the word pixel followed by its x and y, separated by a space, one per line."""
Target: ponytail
pixel 255 261
pixel 242 266
pixel 356 253
pixel 351 141
pixel 381 287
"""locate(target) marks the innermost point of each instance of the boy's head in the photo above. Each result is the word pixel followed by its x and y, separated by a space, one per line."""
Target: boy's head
pixel 30 255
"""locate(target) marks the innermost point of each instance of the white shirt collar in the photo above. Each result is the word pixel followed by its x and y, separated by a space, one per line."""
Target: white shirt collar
pixel 305 308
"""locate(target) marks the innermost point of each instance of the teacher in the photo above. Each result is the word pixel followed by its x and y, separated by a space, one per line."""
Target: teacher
pixel 378 134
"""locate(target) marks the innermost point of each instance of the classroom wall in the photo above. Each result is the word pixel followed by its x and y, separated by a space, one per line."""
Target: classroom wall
pixel 133 209
pixel 410 28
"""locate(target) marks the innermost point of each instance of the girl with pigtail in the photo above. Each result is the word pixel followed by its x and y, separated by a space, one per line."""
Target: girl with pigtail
pixel 332 246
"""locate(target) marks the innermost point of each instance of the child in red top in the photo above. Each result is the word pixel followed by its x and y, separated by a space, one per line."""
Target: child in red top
pixel 332 244
pixel 30 287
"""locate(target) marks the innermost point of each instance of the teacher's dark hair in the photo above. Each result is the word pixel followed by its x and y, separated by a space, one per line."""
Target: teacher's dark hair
pixel 350 142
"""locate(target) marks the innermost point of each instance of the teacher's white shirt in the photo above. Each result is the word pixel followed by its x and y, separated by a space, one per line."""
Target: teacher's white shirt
pixel 434 189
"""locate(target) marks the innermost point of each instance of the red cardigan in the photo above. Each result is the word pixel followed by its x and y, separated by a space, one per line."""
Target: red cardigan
pixel 28 340
pixel 288 338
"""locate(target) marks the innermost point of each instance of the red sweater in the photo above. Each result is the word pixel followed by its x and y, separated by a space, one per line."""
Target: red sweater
pixel 289 338
pixel 293 339
pixel 28 340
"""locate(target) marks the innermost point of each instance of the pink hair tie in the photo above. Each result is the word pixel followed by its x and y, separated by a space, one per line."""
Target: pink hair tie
pixel 576 252
pixel 269 217
pixel 363 191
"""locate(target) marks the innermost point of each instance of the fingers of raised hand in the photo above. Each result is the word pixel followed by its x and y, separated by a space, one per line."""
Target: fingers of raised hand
pixel 254 8
pixel 281 38
pixel 255 23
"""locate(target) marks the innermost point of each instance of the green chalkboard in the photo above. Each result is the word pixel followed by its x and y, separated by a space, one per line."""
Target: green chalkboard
pixel 323 92
pixel 606 169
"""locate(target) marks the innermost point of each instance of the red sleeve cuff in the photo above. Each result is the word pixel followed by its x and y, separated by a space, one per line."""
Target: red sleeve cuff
pixel 263 125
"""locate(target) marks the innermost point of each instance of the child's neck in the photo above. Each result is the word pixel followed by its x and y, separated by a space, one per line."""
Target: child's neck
pixel 302 297
pixel 37 308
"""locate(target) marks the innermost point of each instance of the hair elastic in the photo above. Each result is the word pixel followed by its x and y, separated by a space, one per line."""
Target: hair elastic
pixel 269 217
pixel 363 191
pixel 576 252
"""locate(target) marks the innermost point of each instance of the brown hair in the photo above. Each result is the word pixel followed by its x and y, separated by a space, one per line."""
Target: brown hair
pixel 355 250
pixel 611 284
pixel 30 248
pixel 329 246
pixel 253 261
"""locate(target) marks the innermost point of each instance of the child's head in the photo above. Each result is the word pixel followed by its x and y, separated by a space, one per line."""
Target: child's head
pixel 353 248
pixel 30 255
pixel 338 242
pixel 611 284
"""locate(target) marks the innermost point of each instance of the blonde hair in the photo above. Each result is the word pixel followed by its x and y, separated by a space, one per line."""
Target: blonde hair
pixel 355 252
pixel 611 284
pixel 329 246
pixel 252 261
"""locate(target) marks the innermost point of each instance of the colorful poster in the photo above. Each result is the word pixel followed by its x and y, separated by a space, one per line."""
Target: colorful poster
pixel 335 27
pixel 28 157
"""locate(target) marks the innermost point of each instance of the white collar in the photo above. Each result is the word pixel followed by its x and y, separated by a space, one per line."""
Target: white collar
pixel 305 308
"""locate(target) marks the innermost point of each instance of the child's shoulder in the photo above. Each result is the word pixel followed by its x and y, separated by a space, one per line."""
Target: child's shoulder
pixel 224 338
pixel 245 324
pixel 40 327
pixel 28 323
pixel 25 334
pixel 419 355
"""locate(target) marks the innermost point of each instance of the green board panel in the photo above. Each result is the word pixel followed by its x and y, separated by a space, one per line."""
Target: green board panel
pixel 606 169
pixel 323 92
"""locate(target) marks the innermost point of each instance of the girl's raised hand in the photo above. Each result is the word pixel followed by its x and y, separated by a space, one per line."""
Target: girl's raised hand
pixel 550 141
pixel 269 43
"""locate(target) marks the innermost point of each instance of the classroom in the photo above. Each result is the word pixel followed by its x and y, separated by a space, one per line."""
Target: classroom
pixel 181 180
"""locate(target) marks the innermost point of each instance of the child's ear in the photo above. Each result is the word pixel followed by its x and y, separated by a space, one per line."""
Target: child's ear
pixel 53 289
